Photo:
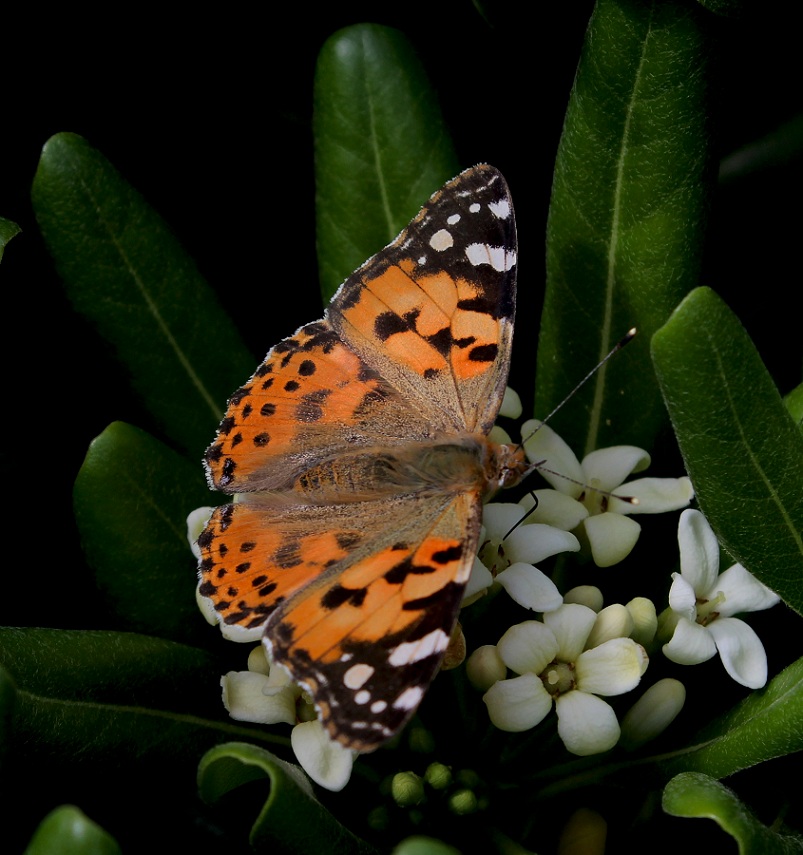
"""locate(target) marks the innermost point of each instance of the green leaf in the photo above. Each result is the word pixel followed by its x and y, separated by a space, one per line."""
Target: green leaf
pixel 627 216
pixel 126 272
pixel 742 450
pixel 420 845
pixel 68 831
pixel 381 146
pixel 131 499
pixel 793 401
pixel 115 698
pixel 292 819
pixel 767 724
pixel 8 700
pixel 697 795
pixel 7 231
pixel 98 666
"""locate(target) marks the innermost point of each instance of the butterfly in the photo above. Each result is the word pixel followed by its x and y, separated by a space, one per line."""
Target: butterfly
pixel 359 455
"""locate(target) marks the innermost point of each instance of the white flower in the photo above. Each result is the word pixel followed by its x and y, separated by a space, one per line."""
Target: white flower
pixel 510 550
pixel 702 603
pixel 595 483
pixel 265 694
pixel 553 665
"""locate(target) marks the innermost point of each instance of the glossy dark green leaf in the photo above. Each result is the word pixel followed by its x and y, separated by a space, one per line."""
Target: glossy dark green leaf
pixel 7 231
pixel 125 271
pixel 121 698
pixel 131 501
pixel 381 146
pixel 8 699
pixel 767 724
pixel 743 451
pixel 69 831
pixel 110 668
pixel 627 216
pixel 695 795
pixel 420 845
pixel 793 401
pixel 292 820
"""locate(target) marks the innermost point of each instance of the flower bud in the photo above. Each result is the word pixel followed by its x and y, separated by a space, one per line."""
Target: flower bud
pixel 485 667
pixel 652 713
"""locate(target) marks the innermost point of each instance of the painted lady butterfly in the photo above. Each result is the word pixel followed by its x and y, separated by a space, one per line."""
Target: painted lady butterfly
pixel 359 455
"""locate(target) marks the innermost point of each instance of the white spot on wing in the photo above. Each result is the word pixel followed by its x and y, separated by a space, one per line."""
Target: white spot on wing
pixel 413 651
pixel 362 697
pixel 441 240
pixel 378 707
pixel 497 256
pixel 500 209
pixel 453 220
pixel 475 208
pixel 409 699
pixel 357 676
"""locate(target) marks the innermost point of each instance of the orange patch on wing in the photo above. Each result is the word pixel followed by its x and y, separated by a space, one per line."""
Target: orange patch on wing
pixel 240 559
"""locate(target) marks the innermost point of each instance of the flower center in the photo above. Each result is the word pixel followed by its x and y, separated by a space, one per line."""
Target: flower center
pixel 558 678
pixel 492 555
pixel 595 502
pixel 708 610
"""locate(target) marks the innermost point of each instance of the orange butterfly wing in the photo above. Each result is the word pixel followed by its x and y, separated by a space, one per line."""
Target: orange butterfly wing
pixel 359 452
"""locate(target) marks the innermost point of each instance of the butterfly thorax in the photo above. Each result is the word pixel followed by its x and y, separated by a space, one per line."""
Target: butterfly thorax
pixel 454 464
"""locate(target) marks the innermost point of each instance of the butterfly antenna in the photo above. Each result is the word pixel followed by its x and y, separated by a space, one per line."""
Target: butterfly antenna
pixel 626 339
pixel 526 514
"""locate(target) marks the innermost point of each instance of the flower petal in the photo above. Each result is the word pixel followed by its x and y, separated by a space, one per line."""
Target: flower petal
pixel 528 647
pixel 586 595
pixel 479 580
pixel 517 704
pixel 690 644
pixel 533 542
pixel 206 606
pixel 614 621
pixel 545 446
pixel 245 699
pixel 743 592
pixel 607 468
pixel 699 552
pixel 682 599
pixel 499 435
pixel 611 537
pixel 530 588
pixel 499 517
pixel 655 495
pixel 554 508
pixel 326 761
pixel 613 668
pixel 586 724
pixel 741 651
pixel 571 624
pixel 196 523
pixel 645 620
pixel 511 404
